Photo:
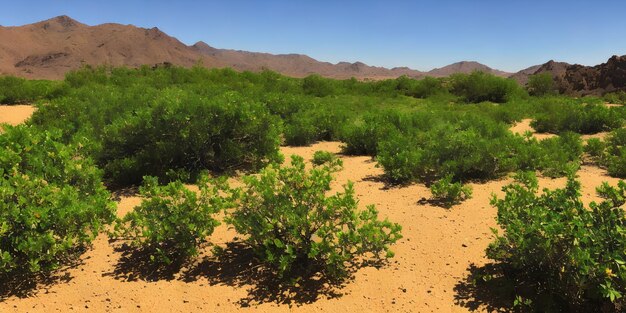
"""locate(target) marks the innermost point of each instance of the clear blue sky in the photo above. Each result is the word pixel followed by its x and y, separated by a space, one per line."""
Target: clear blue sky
pixel 508 35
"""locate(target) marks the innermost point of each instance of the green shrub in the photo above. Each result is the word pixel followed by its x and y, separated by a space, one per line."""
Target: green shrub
pixel 560 154
pixel 541 85
pixel 426 87
pixel 316 85
pixel 172 221
pixel 614 158
pixel 448 193
pixel 187 132
pixel 470 149
pixel 324 157
pixel 562 250
pixel 479 87
pixel 579 118
pixel 595 149
pixel 15 90
pixel 618 97
pixel 295 227
pixel 52 200
pixel 300 131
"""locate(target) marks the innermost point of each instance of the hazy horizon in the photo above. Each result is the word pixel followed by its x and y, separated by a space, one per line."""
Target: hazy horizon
pixel 419 35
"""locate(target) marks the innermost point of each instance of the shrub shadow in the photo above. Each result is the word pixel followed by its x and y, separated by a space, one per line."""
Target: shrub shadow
pixel 135 264
pixel 387 183
pixel 485 288
pixel 436 202
pixel 23 284
pixel 236 266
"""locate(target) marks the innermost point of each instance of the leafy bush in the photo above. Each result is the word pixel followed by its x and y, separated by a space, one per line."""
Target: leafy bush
pixel 294 227
pixel 52 201
pixel 324 157
pixel 448 193
pixel 172 221
pixel 301 131
pixel 318 86
pixel 541 85
pixel 560 248
pixel 15 90
pixel 615 158
pixel 479 86
pixel 470 149
pixel 186 132
pixel 595 149
pixel 618 97
pixel 560 154
pixel 579 118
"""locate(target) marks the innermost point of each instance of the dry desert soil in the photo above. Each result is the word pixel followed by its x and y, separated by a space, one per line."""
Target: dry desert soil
pixel 431 271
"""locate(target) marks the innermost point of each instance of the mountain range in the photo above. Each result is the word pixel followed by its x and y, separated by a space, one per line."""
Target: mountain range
pixel 50 48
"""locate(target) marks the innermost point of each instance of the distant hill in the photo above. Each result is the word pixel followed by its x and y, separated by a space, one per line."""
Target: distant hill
pixel 576 79
pixel 465 67
pixel 50 48
pixel 298 65
pixel 522 76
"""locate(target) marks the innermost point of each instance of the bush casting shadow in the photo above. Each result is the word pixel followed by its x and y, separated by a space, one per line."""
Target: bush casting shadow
pixel 236 266
pixel 485 289
pixel 492 288
pixel 23 284
pixel 135 264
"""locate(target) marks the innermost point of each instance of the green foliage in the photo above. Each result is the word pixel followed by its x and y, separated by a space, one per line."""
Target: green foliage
pixel 186 132
pixel 15 90
pixel 595 149
pixel 474 148
pixel 52 201
pixel 449 193
pixel 324 157
pixel 618 97
pixel 558 246
pixel 293 225
pixel 614 158
pixel 479 86
pixel 315 85
pixel 557 117
pixel 541 85
pixel 172 221
pixel 560 154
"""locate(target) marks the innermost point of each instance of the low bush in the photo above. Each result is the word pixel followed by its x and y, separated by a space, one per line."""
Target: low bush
pixel 541 85
pixel 52 200
pixel 172 221
pixel 186 132
pixel 595 148
pixel 14 90
pixel 297 229
pixel 470 149
pixel 615 156
pixel 559 154
pixel 579 118
pixel 324 157
pixel 554 246
pixel 479 87
pixel 448 193
pixel 618 97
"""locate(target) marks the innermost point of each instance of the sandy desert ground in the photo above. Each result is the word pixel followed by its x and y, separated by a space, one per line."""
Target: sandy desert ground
pixel 430 272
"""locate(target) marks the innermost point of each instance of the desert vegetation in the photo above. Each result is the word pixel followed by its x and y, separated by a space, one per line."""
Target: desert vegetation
pixel 103 130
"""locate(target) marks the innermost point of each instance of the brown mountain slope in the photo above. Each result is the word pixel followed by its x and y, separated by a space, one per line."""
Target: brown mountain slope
pixel 522 76
pixel 297 65
pixel 582 80
pixel 465 67
pixel 50 48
